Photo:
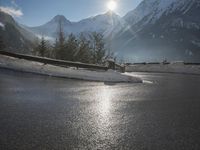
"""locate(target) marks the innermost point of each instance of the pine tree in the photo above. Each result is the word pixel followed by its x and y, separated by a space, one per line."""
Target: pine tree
pixel 2 45
pixel 59 46
pixel 98 47
pixel 55 49
pixel 83 53
pixel 71 47
pixel 41 49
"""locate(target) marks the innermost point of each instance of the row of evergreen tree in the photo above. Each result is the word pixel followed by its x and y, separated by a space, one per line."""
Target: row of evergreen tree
pixel 86 48
pixel 2 44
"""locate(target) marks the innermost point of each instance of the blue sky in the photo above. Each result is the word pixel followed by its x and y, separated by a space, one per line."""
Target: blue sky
pixel 37 12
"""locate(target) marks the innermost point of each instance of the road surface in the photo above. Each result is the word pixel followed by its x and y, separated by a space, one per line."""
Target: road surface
pixel 44 113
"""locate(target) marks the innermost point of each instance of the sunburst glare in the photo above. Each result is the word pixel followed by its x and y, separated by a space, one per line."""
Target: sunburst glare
pixel 112 5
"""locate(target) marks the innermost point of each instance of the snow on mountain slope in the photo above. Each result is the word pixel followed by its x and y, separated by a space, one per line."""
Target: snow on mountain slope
pixel 148 12
pixel 2 25
pixel 154 9
pixel 15 38
pixel 161 29
pixel 50 28
pixel 100 23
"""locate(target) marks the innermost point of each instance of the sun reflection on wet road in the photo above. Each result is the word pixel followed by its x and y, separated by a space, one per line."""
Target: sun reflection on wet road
pixel 53 113
pixel 104 95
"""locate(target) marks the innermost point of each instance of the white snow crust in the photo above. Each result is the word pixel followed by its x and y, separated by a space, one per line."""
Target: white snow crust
pixel 72 73
pixel 176 67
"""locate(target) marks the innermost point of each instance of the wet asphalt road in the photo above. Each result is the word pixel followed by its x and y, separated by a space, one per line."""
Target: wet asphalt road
pixel 44 113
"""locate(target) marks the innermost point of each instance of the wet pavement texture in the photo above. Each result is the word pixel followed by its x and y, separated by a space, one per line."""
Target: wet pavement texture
pixel 47 113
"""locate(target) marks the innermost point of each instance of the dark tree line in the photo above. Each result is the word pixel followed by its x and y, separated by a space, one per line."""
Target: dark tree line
pixel 87 48
pixel 90 49
pixel 2 44
pixel 41 48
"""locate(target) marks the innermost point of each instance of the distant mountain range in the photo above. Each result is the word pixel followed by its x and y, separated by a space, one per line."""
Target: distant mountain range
pixel 103 23
pixel 154 31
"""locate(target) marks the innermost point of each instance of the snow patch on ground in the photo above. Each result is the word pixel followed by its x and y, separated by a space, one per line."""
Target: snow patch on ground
pixel 196 43
pixel 2 25
pixel 51 70
pixel 170 68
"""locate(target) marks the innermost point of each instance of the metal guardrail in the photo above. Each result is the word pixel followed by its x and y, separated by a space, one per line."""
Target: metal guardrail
pixel 191 63
pixel 121 68
pixel 142 63
pixel 153 63
pixel 53 61
pixel 159 63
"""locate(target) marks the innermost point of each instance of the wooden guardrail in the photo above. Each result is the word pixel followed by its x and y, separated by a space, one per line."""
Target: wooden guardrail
pixel 53 61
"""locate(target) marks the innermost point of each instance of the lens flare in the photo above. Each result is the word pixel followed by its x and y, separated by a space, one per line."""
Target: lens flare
pixel 112 5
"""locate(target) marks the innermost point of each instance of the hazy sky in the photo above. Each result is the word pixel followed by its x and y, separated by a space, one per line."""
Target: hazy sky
pixel 37 12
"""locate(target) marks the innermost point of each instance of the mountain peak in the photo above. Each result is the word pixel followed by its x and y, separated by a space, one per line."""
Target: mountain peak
pixel 61 18
pixel 106 16
pixel 111 13
pixel 6 18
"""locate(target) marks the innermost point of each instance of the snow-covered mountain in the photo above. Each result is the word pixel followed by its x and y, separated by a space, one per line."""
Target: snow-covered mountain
pixel 103 23
pixel 161 29
pixel 152 10
pixel 154 31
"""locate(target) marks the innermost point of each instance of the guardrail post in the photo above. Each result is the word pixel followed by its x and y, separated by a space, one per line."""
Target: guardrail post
pixel 123 69
pixel 111 64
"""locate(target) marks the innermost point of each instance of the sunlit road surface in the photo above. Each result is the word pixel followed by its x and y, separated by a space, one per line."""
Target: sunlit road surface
pixel 44 113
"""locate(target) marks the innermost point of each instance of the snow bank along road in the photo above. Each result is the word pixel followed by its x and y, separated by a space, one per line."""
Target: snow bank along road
pixel 41 112
pixel 168 68
pixel 45 69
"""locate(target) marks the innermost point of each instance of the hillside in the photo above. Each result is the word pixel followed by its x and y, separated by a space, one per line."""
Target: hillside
pixel 14 37
pixel 159 30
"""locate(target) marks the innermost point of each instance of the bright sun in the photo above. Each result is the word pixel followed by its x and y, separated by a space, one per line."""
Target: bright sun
pixel 112 5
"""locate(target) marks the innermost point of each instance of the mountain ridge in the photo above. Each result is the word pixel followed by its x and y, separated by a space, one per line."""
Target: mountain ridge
pixel 15 38
pixel 155 30
pixel 99 23
pixel 174 35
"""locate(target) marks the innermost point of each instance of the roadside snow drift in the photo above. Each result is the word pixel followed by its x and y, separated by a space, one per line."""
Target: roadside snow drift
pixel 51 70
pixel 169 68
